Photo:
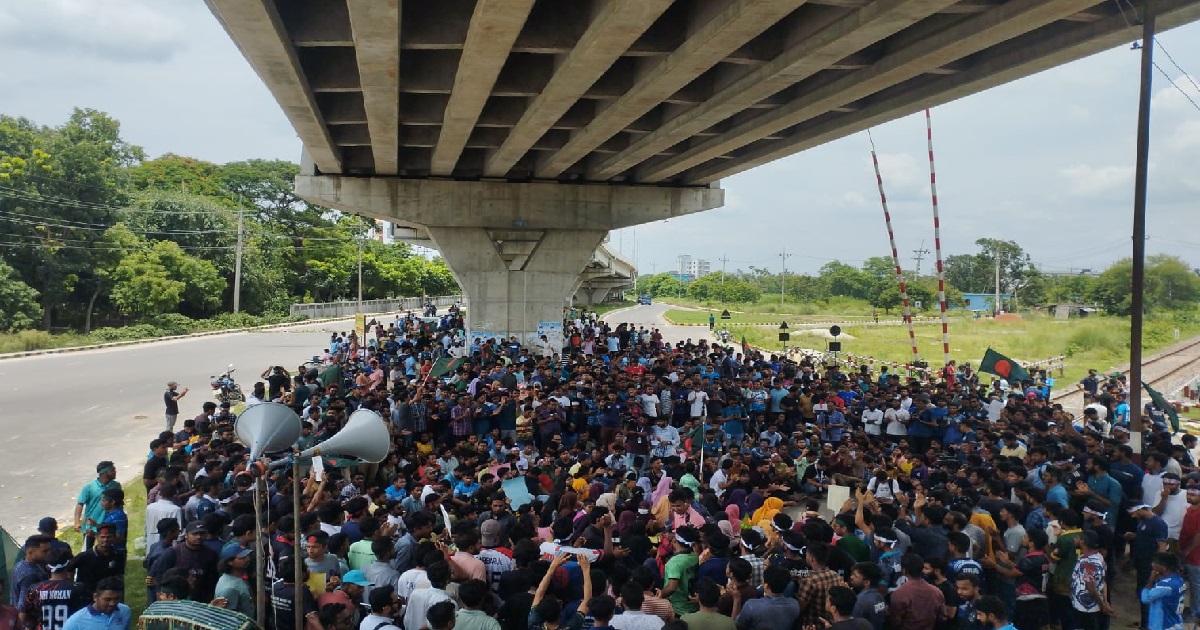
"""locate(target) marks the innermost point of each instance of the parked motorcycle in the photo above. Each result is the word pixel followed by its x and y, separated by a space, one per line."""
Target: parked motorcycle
pixel 225 389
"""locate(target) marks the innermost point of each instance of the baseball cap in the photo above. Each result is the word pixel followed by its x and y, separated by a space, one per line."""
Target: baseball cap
pixel 196 527
pixel 47 524
pixel 489 533
pixel 357 577
pixel 235 551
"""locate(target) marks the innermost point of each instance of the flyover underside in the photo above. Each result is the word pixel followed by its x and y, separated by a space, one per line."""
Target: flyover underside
pixel 519 251
pixel 668 92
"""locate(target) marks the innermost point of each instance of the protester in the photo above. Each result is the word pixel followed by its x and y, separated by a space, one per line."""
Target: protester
pixel 621 481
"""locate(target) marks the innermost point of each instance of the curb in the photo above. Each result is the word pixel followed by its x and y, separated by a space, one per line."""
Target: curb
pixel 207 333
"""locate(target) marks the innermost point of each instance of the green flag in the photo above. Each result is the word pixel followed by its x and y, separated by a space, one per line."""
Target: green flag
pixel 445 366
pixel 745 345
pixel 995 363
pixel 1163 406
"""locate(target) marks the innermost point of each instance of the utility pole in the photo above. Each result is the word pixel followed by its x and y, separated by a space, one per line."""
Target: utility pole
pixel 918 256
pixel 679 289
pixel 724 278
pixel 1136 311
pixel 360 250
pixel 996 304
pixel 783 256
pixel 237 263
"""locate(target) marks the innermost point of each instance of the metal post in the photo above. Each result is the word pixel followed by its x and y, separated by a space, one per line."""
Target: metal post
pixel 359 307
pixel 783 275
pixel 1139 230
pixel 298 550
pixel 260 557
pixel 237 263
pixel 996 304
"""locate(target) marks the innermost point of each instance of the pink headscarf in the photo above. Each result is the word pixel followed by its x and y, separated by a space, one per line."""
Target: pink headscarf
pixel 663 489
pixel 735 515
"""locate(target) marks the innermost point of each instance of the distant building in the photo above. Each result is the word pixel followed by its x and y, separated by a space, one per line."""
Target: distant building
pixel 691 268
pixel 979 302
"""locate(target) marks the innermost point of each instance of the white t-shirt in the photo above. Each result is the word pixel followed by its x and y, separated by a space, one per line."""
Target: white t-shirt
pixel 697 400
pixel 873 421
pixel 650 405
pixel 1177 506
pixel 895 421
pixel 718 478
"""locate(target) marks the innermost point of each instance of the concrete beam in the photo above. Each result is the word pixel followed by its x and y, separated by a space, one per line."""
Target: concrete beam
pixel 928 54
pixel 725 32
pixel 255 27
pixel 495 25
pixel 1023 56
pixel 504 205
pixel 612 31
pixel 836 42
pixel 376 28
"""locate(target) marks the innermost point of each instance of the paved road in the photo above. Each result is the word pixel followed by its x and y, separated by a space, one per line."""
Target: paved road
pixel 63 413
pixel 652 317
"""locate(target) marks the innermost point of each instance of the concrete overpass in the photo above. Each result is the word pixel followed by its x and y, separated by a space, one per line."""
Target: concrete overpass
pixel 607 273
pixel 517 133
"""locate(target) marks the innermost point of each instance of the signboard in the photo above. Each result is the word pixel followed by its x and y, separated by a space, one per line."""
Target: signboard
pixel 360 325
pixel 553 331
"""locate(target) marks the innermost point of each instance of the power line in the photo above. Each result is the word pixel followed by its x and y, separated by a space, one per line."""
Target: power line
pixel 1137 46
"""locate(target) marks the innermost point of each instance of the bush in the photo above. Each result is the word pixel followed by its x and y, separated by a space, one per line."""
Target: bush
pixel 26 341
pixel 127 333
pixel 174 323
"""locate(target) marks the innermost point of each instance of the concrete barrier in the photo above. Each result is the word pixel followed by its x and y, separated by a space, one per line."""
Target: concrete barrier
pixel 348 308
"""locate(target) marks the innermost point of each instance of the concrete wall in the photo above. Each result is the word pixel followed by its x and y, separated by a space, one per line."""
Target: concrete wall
pixel 349 308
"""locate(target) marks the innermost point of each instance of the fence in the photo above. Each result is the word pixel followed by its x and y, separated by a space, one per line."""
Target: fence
pixel 349 308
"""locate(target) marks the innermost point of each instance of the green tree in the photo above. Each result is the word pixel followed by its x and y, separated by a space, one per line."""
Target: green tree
pixel 658 285
pixel 177 173
pixel 1170 284
pixel 1113 288
pixel 845 280
pixel 20 301
pixel 163 278
pixel 722 287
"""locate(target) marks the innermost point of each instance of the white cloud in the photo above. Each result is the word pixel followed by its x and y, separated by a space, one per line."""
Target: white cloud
pixel 1082 180
pixel 121 30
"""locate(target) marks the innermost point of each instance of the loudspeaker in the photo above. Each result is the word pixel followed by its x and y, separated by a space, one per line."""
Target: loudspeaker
pixel 267 427
pixel 364 437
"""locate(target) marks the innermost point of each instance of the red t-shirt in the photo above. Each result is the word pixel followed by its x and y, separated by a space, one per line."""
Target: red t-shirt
pixel 1191 528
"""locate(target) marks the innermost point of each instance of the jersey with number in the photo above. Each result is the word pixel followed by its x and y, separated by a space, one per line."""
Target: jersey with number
pixel 53 601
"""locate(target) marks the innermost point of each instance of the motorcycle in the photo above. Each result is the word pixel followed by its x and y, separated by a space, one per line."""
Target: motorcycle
pixel 723 335
pixel 225 389
pixel 430 310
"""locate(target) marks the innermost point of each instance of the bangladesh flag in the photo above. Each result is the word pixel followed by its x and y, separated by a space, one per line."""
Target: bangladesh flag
pixel 995 363
pixel 445 366
pixel 745 345
pixel 1161 402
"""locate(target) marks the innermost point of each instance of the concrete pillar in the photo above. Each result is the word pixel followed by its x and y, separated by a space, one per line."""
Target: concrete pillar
pixel 515 279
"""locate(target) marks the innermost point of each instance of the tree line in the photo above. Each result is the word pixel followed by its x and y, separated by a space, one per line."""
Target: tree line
pixel 1170 284
pixel 90 230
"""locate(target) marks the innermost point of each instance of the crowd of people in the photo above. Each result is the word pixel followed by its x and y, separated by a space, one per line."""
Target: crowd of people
pixel 625 482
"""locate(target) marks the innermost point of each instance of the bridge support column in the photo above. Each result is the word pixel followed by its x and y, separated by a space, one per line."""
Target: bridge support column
pixel 515 279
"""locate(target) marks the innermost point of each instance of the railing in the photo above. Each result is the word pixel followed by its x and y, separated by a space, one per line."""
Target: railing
pixel 347 308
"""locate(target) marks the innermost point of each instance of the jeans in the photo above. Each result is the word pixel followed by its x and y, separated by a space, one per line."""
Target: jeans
pixel 1193 581
pixel 170 418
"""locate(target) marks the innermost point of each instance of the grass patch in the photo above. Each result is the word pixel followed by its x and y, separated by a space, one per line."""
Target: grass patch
pixel 1096 342
pixel 135 575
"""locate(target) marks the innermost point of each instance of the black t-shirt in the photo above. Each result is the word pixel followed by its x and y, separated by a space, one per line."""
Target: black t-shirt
pixel 171 404
pixel 91 567
pixel 283 601
pixel 153 465
pixel 276 383
pixel 53 601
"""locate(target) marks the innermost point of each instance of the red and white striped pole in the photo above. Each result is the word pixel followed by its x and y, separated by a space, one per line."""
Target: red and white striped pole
pixel 887 218
pixel 937 242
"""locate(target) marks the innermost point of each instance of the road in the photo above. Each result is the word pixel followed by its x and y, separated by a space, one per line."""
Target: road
pixel 651 316
pixel 84 407
pixel 63 413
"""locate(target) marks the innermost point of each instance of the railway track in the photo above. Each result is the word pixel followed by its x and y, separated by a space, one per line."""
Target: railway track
pixel 1165 371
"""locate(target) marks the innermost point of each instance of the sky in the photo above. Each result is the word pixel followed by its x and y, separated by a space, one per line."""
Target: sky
pixel 1046 161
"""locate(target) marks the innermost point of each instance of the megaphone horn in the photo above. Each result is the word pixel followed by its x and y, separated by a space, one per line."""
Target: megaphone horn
pixel 267 427
pixel 364 437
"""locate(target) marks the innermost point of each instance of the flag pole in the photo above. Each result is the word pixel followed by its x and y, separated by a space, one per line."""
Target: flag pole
pixel 887 219
pixel 937 243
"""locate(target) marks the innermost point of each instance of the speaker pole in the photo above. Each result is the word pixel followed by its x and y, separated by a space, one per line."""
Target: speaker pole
pixel 298 600
pixel 260 568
